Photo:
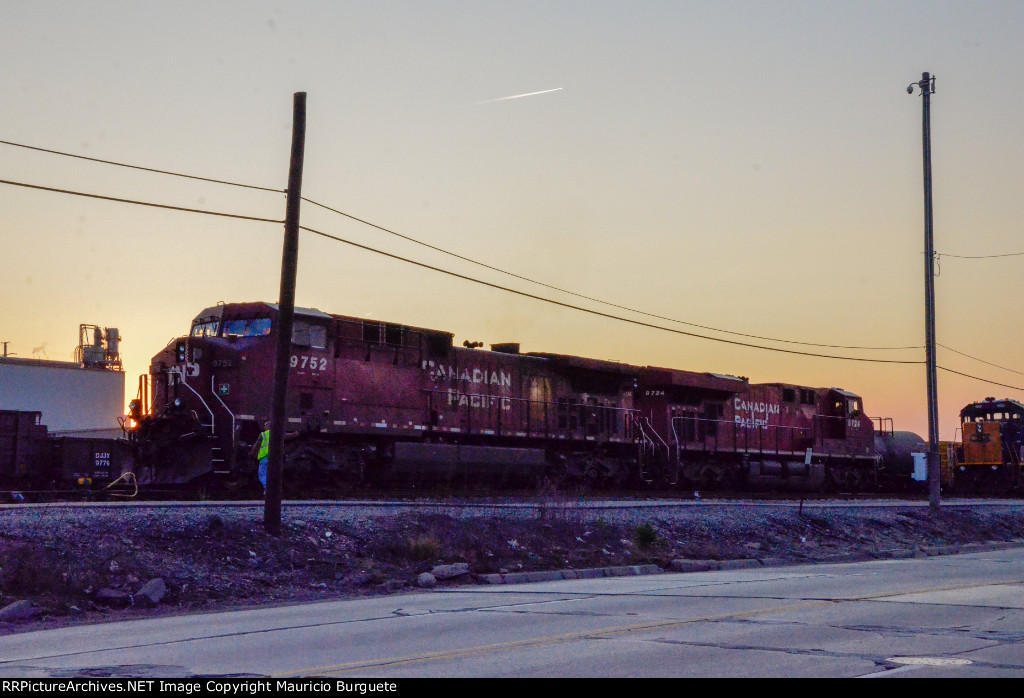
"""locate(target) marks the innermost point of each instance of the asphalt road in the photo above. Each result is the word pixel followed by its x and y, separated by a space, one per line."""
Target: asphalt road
pixel 955 616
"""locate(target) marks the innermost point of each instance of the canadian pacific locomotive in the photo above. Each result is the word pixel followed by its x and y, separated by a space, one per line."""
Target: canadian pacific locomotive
pixel 372 401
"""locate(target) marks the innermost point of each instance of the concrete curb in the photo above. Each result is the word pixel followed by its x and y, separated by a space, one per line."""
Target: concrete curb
pixel 556 575
pixel 687 566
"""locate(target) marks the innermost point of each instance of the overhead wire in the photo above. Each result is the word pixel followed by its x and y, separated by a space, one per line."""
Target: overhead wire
pixel 975 358
pixel 443 251
pixel 139 203
pixel 643 324
pixel 592 311
pixel 497 269
pixel 978 378
pixel 590 298
pixel 482 282
pixel 139 167
pixel 980 256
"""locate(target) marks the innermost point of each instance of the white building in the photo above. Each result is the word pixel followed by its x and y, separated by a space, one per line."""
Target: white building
pixel 74 399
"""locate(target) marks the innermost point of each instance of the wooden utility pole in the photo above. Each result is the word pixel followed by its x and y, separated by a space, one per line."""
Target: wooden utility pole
pixel 927 87
pixel 285 319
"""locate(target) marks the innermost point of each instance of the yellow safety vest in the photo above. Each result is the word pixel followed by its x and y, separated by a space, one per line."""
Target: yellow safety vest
pixel 264 445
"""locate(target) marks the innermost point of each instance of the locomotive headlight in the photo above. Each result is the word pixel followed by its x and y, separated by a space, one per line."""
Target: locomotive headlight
pixel 177 402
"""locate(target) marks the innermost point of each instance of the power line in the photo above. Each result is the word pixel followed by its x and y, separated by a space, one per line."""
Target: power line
pixel 456 275
pixel 980 360
pixel 453 254
pixel 595 312
pixel 983 380
pixel 140 203
pixel 982 256
pixel 589 298
pixel 139 167
pixel 517 292
pixel 435 248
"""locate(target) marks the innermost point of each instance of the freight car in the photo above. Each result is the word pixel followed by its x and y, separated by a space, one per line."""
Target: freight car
pixel 23 442
pixel 988 457
pixel 375 401
pixel 32 460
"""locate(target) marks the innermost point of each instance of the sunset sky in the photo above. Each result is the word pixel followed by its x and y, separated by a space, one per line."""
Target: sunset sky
pixel 753 167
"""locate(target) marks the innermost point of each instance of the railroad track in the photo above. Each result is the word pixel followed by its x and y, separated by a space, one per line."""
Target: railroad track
pixel 457 495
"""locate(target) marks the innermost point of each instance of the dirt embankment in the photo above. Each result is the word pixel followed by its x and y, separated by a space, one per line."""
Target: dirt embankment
pixel 62 566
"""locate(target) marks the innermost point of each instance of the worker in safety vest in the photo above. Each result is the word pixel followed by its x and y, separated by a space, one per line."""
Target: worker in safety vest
pixel 261 451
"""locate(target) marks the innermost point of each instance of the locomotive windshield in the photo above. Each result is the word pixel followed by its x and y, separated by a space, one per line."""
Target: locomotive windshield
pixel 205 329
pixel 992 417
pixel 992 411
pixel 254 327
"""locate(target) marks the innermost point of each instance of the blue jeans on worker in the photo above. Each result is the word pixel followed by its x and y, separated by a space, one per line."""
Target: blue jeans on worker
pixel 262 473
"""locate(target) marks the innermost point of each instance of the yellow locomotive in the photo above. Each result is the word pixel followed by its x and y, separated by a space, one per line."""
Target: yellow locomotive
pixel 988 459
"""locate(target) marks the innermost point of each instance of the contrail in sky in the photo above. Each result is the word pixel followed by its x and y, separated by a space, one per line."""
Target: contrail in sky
pixel 502 99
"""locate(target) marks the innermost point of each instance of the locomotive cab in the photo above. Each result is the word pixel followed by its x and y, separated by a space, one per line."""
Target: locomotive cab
pixel 210 389
pixel 842 414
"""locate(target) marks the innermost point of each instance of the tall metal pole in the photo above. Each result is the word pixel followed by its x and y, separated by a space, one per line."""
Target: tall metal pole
pixel 285 318
pixel 927 87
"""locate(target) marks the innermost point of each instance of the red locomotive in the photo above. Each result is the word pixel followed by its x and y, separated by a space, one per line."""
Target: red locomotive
pixel 377 401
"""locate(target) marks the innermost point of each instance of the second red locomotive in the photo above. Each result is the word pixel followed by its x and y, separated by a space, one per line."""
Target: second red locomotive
pixel 379 401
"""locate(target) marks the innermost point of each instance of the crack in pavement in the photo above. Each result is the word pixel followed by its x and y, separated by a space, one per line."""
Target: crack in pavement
pixel 811 652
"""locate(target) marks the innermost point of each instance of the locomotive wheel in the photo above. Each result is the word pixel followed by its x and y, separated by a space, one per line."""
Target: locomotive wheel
pixel 592 479
pixel 556 473
pixel 553 480
pixel 347 476
pixel 1002 481
pixel 1017 480
pixel 237 482
pixel 708 480
pixel 1010 479
pixel 202 490
pixel 343 481
pixel 686 480
pixel 830 485
pixel 729 478
pixel 962 484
